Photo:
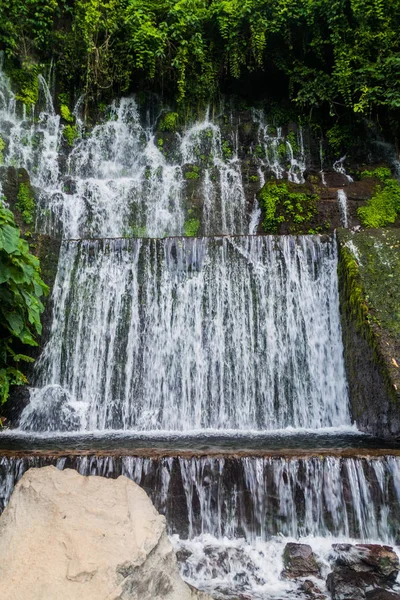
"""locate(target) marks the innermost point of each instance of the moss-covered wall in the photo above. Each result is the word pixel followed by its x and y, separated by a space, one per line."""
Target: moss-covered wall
pixel 369 287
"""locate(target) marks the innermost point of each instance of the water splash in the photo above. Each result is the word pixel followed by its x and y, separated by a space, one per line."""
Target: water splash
pixel 339 167
pixel 275 152
pixel 343 209
pixel 230 333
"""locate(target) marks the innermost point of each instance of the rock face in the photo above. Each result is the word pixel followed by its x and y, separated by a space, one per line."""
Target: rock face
pixel 361 572
pixel 369 289
pixel 68 537
pixel 299 561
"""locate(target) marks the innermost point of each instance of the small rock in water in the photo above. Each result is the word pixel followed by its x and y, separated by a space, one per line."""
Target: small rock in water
pixel 312 590
pixel 299 561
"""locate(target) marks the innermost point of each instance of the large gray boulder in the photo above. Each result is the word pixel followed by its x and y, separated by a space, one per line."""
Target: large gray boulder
pixel 68 537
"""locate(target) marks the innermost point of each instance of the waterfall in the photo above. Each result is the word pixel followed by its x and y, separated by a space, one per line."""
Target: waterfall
pixel 275 152
pixel 185 334
pixel 343 210
pixel 227 334
pixel 294 497
pixel 227 516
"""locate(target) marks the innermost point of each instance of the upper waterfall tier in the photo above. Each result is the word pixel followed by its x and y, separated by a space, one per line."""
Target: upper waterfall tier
pixel 184 334
pixel 128 177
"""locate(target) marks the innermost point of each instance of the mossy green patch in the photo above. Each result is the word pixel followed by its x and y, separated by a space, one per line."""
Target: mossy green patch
pixel 70 133
pixel 193 172
pixel 26 202
pixel 284 202
pixel 66 113
pixel 169 122
pixel 2 148
pixel 369 274
pixel 384 206
pixel 25 81
pixel 191 227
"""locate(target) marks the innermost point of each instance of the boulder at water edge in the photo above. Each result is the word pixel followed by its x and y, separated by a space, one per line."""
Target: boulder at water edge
pixel 68 537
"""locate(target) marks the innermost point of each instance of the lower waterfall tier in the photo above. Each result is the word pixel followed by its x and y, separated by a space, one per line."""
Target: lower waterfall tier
pixel 230 518
pixel 184 334
pixel 252 497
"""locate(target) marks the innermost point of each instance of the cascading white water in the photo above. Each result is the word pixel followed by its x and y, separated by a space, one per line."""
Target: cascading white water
pixel 231 539
pixel 183 334
pixel 343 210
pixel 118 181
pixel 235 333
pixel 294 497
pixel 275 152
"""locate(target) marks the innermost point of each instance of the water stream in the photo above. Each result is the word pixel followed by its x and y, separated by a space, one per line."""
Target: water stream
pixel 224 334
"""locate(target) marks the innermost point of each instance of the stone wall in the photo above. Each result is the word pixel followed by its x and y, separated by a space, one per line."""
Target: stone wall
pixel 369 287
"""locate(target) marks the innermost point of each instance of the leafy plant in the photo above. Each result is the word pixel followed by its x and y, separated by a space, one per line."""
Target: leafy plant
pixel 20 306
pixel 70 134
pixel 169 122
pixel 293 205
pixel 25 202
pixel 384 206
pixel 191 227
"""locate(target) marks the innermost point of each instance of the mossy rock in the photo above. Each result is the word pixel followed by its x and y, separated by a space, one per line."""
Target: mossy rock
pixel 369 286
pixel 288 207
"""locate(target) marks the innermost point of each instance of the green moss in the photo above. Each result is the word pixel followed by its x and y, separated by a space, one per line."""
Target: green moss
pixel 193 172
pixel 254 178
pixel 70 133
pixel 283 202
pixel 25 202
pixel 281 150
pixel 25 81
pixel 384 206
pixel 169 122
pixel 372 264
pixel 2 148
pixel 291 138
pixel 66 113
pixel 139 231
pixel 381 173
pixel 191 227
pixel 226 149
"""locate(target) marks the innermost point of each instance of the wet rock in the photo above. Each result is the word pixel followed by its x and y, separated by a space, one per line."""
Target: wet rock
pixel 312 590
pixel 382 594
pixel 299 561
pixel 346 584
pixel 373 558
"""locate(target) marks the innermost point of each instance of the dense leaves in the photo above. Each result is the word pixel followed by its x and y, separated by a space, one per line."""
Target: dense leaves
pixel 342 53
pixel 20 307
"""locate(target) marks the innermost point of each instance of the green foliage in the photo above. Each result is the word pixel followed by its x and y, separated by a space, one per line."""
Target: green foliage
pixel 340 53
pixel 70 134
pixel 169 122
pixel 339 138
pixel 381 173
pixel 384 206
pixel 227 151
pixel 2 148
pixel 20 307
pixel 287 203
pixel 191 227
pixel 25 81
pixel 193 173
pixel 66 113
pixel 26 202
